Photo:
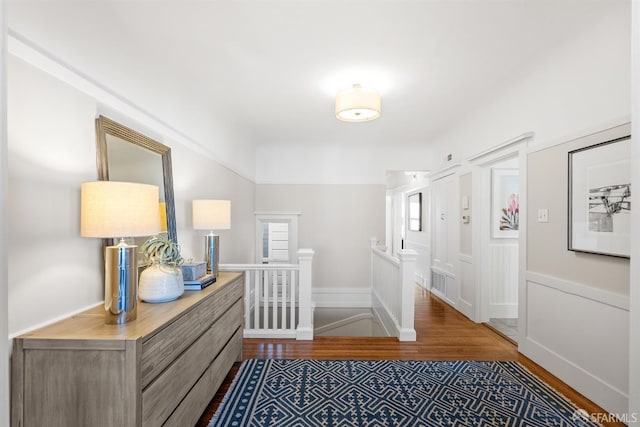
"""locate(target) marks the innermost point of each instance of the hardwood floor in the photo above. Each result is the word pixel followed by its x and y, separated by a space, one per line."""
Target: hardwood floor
pixel 442 334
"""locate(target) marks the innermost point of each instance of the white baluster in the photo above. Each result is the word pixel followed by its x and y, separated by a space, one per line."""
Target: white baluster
pixel 284 300
pixel 293 322
pixel 274 303
pixel 247 299
pixel 265 301
pixel 256 300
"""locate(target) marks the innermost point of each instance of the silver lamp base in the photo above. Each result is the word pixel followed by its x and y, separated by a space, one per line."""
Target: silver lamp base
pixel 121 284
pixel 211 253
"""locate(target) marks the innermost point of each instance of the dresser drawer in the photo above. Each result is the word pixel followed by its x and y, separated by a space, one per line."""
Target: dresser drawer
pixel 172 385
pixel 190 409
pixel 163 347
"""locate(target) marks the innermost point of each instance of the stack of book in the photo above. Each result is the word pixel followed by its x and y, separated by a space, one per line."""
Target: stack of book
pixel 199 283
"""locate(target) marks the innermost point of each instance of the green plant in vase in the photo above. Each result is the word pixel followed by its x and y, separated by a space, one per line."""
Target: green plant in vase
pixel 161 249
pixel 162 280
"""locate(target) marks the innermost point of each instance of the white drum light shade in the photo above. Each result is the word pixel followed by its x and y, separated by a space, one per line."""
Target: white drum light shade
pixel 211 214
pixel 357 104
pixel 118 209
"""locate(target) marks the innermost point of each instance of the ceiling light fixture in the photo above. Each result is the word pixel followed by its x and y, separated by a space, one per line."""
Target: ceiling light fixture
pixel 357 104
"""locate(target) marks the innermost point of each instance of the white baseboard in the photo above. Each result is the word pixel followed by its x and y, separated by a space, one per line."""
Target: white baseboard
pixel 581 335
pixel 342 297
pixel 466 308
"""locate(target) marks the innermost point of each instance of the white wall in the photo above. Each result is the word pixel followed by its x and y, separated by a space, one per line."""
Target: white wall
pixel 51 150
pixel 197 177
pixel 634 297
pixel 336 164
pixel 579 88
pixel 336 221
pixel 4 292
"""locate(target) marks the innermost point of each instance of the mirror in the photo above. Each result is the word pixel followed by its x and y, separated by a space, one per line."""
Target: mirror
pixel 126 155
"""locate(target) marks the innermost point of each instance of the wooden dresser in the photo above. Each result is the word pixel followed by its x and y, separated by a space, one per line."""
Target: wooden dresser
pixel 161 369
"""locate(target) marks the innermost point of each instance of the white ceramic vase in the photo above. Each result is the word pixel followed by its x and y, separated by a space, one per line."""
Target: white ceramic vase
pixel 160 283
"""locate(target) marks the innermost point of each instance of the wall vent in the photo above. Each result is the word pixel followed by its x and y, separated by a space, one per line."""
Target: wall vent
pixel 438 282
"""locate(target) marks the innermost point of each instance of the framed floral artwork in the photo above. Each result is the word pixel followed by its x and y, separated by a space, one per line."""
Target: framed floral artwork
pixel 600 198
pixel 505 203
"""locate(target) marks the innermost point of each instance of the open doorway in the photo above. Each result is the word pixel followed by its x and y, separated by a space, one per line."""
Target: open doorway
pixel 276 238
pixel 501 247
pixel 408 218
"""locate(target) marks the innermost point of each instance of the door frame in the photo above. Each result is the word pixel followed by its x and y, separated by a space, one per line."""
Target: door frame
pixel 481 186
pixel 290 218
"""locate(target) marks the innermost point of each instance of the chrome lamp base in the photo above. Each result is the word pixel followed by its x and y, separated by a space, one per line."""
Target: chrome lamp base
pixel 121 284
pixel 211 253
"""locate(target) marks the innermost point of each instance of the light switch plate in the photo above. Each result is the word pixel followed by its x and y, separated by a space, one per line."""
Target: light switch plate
pixel 465 202
pixel 543 215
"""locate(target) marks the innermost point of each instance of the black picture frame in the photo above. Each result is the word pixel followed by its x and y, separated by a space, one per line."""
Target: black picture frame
pixel 599 198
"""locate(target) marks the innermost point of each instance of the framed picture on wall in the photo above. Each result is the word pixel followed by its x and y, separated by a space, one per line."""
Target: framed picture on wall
pixel 415 212
pixel 505 203
pixel 600 198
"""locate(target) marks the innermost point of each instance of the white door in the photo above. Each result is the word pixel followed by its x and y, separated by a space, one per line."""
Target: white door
pixel 277 241
pixel 277 238
pixel 444 249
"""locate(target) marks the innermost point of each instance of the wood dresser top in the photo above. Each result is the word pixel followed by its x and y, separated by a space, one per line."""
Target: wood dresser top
pixel 90 323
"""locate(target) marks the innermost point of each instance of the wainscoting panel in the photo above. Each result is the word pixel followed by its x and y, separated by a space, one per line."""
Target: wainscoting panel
pixel 581 335
pixel 503 281
pixel 341 297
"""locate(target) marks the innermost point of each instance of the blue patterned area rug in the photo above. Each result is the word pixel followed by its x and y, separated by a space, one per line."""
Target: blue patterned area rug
pixel 312 393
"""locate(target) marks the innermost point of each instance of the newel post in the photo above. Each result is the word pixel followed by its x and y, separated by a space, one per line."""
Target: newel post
pixel 407 294
pixel 304 330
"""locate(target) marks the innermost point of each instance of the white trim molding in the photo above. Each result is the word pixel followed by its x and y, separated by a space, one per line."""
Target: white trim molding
pixel 290 218
pixel 444 172
pixel 599 295
pixel 495 149
pixel 5 343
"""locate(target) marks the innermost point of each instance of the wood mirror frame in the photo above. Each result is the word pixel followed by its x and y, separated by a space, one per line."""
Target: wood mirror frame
pixel 106 127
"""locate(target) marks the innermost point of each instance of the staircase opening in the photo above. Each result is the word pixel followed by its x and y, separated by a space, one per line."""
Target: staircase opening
pixel 351 322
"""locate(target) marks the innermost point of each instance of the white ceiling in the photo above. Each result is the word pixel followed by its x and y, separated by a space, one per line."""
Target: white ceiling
pixel 266 71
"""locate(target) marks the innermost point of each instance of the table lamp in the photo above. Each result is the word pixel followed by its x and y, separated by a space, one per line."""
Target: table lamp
pixel 110 209
pixel 212 215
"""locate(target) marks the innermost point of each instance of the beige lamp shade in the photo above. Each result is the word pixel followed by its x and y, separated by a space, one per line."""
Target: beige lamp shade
pixel 211 214
pixel 357 104
pixel 118 209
